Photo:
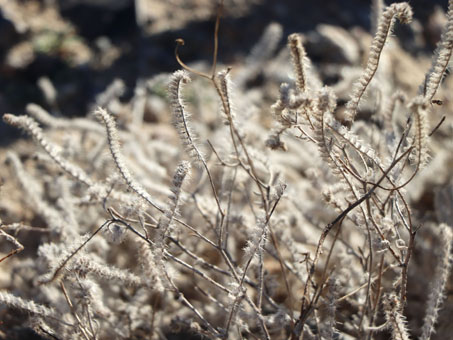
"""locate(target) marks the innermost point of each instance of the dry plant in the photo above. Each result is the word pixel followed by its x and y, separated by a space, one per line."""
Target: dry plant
pixel 235 244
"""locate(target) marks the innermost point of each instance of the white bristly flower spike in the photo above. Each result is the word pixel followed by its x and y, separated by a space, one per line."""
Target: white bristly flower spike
pixel 403 12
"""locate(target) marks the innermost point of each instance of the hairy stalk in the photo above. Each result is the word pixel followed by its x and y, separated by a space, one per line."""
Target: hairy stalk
pixel 443 54
pixel 114 145
pixel 403 12
pixel 30 126
pixel 437 295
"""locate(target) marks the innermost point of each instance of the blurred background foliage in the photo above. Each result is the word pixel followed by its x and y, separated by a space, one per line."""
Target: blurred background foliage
pixel 81 46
